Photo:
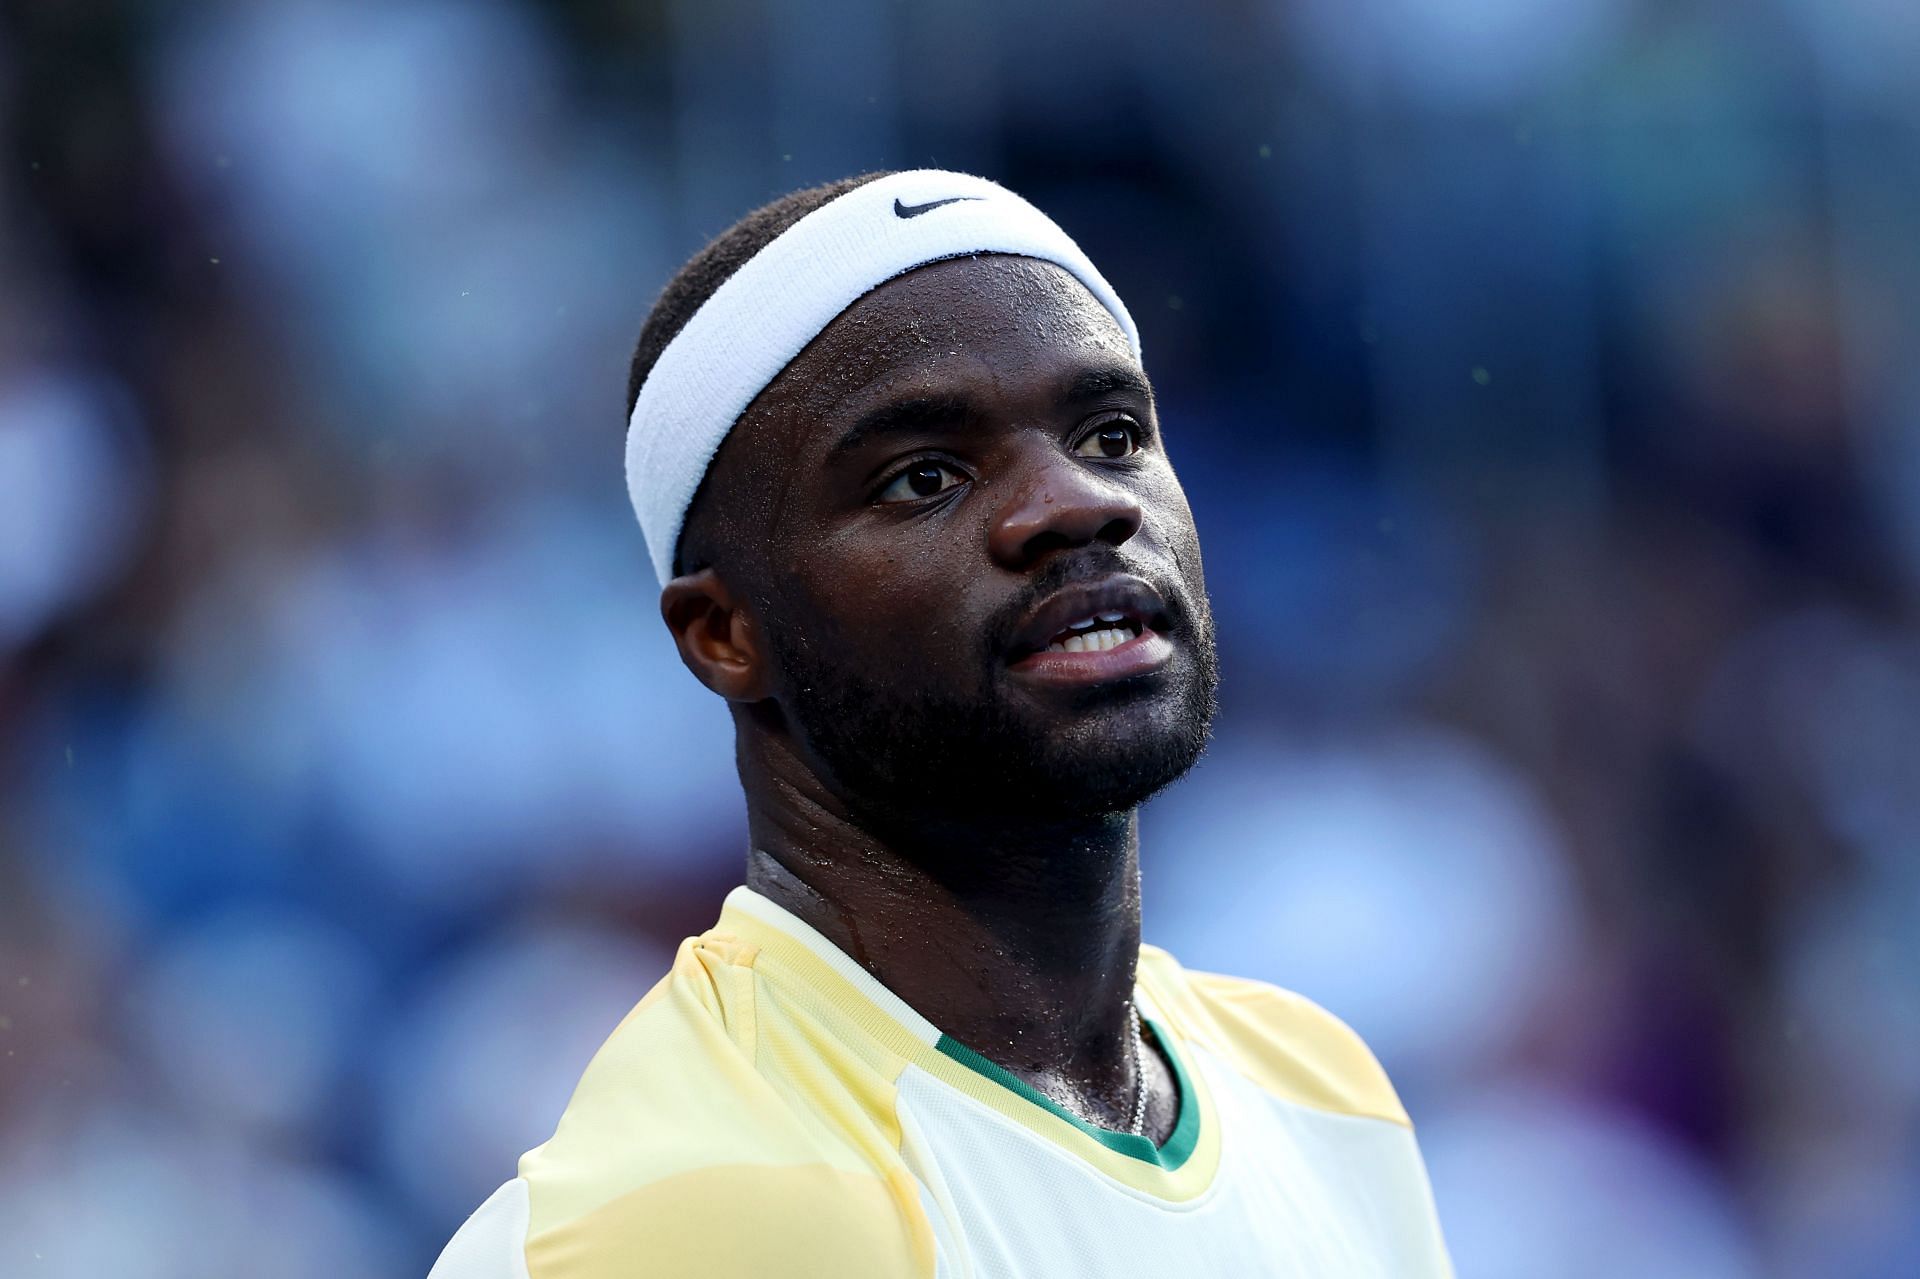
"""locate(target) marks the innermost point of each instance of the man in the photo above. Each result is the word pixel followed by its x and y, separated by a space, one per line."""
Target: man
pixel 900 471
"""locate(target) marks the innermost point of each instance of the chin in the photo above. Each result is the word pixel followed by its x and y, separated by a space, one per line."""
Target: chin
pixel 921 755
pixel 1109 750
pixel 1087 776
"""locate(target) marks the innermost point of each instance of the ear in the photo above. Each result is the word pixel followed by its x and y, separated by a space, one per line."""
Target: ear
pixel 718 640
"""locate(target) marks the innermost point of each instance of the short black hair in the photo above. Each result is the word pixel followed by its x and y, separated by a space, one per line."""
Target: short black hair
pixel 715 264
pixel 688 291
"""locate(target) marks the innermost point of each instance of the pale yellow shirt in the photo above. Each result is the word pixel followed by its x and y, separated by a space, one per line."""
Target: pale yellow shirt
pixel 769 1109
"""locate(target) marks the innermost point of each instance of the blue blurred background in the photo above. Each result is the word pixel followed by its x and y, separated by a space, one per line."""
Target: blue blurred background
pixel 1543 376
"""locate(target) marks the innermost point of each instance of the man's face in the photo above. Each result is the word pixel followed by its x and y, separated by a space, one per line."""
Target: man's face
pixel 961 472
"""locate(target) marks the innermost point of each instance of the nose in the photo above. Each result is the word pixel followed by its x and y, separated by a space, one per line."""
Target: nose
pixel 1056 505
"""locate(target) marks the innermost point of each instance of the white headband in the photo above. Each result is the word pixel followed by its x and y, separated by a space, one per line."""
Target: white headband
pixel 767 311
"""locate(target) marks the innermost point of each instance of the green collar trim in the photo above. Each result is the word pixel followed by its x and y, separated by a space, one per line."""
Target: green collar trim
pixel 1186 1129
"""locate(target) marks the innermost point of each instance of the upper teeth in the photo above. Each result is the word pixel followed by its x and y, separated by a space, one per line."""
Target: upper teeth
pixel 1082 637
pixel 1092 641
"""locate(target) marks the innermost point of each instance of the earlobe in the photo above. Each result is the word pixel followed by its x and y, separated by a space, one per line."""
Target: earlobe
pixel 717 638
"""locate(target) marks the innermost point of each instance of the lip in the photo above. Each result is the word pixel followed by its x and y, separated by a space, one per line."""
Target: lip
pixel 1129 596
pixel 1141 655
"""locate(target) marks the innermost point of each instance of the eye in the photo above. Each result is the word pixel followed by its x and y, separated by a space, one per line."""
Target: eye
pixel 921 479
pixel 1117 437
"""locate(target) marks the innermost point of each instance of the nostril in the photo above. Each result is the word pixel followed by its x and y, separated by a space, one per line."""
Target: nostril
pixel 1047 540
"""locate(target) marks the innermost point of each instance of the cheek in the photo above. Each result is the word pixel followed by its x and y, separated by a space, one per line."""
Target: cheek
pixel 1173 524
pixel 1165 502
pixel 898 600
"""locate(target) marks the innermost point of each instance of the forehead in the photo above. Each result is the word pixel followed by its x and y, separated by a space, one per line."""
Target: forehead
pixel 997 315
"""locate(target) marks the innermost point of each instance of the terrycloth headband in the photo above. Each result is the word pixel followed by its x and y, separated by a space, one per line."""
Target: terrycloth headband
pixel 768 310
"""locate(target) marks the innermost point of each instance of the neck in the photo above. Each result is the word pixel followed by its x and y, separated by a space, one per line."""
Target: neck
pixel 1017 937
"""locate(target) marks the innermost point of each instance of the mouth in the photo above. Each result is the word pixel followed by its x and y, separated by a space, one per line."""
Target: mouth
pixel 1098 631
pixel 1096 634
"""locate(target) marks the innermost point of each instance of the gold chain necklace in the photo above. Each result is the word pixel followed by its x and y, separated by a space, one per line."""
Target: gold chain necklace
pixel 1139 1075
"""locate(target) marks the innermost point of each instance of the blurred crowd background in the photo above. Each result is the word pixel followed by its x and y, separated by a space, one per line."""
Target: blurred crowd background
pixel 1543 375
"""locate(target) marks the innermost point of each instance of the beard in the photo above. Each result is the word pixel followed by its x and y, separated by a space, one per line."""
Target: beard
pixel 905 754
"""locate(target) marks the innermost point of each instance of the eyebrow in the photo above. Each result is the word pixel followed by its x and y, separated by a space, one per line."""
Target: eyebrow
pixel 919 414
pixel 922 414
pixel 1096 384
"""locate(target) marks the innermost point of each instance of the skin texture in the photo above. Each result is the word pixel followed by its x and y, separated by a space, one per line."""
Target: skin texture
pixel 965 831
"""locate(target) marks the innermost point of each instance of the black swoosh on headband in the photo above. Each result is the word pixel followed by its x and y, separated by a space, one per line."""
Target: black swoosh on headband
pixel 915 210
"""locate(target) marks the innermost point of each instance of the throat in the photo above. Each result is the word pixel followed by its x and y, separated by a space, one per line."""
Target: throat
pixel 1026 955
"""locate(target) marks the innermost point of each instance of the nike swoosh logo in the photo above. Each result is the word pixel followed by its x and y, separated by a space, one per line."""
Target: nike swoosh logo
pixel 915 210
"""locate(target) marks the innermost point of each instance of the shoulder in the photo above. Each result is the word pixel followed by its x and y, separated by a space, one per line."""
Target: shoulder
pixel 722 1222
pixel 678 1154
pixel 1284 1043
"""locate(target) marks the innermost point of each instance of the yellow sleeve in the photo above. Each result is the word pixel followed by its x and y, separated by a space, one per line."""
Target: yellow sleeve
pixel 678 1156
pixel 1286 1044
pixel 733 1222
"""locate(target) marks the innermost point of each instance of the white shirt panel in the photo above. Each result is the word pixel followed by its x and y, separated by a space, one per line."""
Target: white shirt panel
pixel 1299 1194
pixel 492 1243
